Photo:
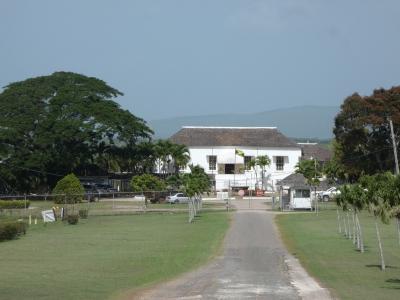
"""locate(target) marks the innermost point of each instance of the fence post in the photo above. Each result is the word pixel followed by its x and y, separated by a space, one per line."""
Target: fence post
pixel 113 205
pixel 25 203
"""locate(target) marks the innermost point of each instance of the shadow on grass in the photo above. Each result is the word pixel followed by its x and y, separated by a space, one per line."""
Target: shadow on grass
pixel 366 249
pixel 396 283
pixel 379 266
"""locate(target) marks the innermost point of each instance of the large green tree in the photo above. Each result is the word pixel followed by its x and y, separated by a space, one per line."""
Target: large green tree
pixel 62 123
pixel 362 132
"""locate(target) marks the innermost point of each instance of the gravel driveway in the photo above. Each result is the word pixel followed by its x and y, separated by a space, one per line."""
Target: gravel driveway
pixel 254 265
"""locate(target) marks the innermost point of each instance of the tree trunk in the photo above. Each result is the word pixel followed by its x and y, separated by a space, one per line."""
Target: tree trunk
pixel 360 234
pixel 338 220
pixel 354 229
pixel 383 267
pixel 358 243
pixel 398 227
pixel 348 225
pixel 345 224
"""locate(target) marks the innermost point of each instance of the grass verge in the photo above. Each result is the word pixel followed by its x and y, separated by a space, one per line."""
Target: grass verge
pixel 333 260
pixel 105 255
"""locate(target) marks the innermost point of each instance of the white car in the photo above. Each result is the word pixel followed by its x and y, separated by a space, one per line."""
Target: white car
pixel 139 197
pixel 178 198
pixel 330 193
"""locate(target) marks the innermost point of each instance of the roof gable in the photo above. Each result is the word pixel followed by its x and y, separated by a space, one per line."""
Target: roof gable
pixel 315 151
pixel 232 136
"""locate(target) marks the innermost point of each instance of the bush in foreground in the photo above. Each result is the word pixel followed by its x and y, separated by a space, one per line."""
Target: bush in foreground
pixel 73 219
pixel 83 213
pixel 11 229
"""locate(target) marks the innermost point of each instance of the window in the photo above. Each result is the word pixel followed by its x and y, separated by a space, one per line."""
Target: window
pixel 247 160
pixel 212 162
pixel 301 194
pixel 280 162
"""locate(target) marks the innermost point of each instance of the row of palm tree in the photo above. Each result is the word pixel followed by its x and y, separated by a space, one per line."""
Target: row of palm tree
pixel 380 195
pixel 262 162
pixel 170 157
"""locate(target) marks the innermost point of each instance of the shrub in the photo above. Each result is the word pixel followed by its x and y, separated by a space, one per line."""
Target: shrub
pixel 147 182
pixel 71 187
pixel 9 204
pixel 11 229
pixel 83 213
pixel 73 219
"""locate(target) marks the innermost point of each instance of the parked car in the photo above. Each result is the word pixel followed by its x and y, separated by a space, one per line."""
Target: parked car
pixel 330 193
pixel 178 198
pixel 94 190
pixel 103 188
pixel 139 197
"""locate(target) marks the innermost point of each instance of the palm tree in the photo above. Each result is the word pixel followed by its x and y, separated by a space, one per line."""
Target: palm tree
pixel 394 200
pixel 358 202
pixel 342 201
pixel 163 150
pixel 263 161
pixel 252 164
pixel 180 156
pixel 376 197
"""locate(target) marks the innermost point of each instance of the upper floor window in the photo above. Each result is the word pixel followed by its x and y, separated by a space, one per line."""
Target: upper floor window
pixel 212 162
pixel 247 160
pixel 279 162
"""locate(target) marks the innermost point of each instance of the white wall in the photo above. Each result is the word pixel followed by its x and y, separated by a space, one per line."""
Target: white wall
pixel 199 157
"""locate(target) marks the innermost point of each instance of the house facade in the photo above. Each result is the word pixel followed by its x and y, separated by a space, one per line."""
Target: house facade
pixel 224 153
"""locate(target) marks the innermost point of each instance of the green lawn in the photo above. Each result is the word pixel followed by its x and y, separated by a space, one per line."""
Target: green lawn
pixel 333 260
pixel 105 255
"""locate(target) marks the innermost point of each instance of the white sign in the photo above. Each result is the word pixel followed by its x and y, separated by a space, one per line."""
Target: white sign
pixel 48 216
pixel 222 195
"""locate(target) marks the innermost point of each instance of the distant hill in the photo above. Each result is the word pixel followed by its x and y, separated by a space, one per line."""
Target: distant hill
pixel 296 122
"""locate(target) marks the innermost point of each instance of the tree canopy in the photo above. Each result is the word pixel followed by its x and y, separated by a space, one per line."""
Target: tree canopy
pixel 310 169
pixel 147 182
pixel 62 123
pixel 362 132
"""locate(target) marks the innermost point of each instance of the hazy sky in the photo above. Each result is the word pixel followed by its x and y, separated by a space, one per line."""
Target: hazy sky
pixel 173 58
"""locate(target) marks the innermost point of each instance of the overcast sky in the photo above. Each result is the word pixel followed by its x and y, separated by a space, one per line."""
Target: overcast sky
pixel 174 58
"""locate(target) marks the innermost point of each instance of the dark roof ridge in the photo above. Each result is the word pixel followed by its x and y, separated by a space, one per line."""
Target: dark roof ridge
pixel 232 136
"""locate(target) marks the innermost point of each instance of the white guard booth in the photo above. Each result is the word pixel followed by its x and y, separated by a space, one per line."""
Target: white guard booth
pixel 295 197
pixel 300 198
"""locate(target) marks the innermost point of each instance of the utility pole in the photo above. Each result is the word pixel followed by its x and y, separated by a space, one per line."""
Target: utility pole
pixel 394 146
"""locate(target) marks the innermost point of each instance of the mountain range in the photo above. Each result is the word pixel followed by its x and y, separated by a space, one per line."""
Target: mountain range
pixel 296 122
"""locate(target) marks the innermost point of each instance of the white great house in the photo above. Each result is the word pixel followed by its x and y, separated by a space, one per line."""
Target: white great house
pixel 216 149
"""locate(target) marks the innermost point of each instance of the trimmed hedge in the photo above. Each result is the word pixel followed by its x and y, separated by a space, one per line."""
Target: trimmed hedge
pixel 10 204
pixel 11 229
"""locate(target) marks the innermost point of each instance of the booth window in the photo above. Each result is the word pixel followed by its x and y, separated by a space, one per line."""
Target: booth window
pixel 302 193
